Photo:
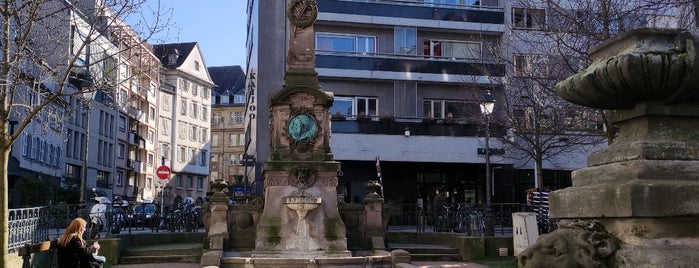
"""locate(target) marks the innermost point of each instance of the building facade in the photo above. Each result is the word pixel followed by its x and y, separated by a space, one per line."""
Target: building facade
pixel 408 79
pixel 184 122
pixel 228 159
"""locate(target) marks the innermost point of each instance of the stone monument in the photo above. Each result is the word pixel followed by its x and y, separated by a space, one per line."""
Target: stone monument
pixel 300 215
pixel 637 202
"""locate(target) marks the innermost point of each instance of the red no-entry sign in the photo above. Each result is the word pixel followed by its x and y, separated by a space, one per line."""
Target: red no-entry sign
pixel 163 172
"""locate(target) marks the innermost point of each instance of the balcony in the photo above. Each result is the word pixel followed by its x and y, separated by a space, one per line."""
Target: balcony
pixel 437 127
pixel 136 165
pixel 136 140
pixel 492 13
pixel 375 63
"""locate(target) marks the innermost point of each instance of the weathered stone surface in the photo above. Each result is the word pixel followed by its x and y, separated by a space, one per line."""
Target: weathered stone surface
pixel 643 188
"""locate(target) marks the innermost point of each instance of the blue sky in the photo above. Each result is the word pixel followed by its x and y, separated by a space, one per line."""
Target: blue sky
pixel 217 25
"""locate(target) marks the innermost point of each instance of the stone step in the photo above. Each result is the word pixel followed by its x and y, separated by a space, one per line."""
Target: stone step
pixel 160 259
pixel 426 252
pixel 176 252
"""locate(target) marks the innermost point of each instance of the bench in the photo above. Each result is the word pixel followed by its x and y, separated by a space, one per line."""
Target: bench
pixel 26 252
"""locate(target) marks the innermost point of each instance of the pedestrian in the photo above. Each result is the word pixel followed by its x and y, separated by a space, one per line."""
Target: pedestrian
pixel 73 252
pixel 440 200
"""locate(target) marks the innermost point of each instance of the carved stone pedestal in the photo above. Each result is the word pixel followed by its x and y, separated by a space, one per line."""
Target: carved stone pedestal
pixel 642 192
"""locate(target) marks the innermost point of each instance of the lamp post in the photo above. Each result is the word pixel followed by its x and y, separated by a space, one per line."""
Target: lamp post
pixel 487 106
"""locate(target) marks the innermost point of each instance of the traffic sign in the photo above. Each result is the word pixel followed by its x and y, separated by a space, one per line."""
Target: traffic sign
pixel 163 172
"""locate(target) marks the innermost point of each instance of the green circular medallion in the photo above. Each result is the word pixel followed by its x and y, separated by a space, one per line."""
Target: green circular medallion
pixel 302 127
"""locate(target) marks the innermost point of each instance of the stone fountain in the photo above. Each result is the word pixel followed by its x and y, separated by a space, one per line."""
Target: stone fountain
pixel 640 194
pixel 299 224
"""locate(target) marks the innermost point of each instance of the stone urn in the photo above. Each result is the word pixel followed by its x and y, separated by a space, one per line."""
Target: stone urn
pixel 635 205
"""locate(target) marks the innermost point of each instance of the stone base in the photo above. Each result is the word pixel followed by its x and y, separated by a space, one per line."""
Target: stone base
pixel 211 258
pixel 635 198
pixel 653 253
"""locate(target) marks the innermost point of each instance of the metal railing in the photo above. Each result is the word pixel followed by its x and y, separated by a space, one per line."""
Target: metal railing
pixel 27 226
pixel 470 219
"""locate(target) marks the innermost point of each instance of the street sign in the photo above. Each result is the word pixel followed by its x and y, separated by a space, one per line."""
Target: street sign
pixel 163 172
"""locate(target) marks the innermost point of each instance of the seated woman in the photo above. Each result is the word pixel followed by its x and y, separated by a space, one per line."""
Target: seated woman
pixel 73 252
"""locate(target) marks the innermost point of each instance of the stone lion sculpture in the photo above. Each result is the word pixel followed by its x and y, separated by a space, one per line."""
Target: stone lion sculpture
pixel 584 244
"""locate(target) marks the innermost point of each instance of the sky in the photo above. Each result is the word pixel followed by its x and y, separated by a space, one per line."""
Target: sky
pixel 219 26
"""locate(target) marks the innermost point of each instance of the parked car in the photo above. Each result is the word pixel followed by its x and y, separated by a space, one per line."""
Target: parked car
pixel 142 214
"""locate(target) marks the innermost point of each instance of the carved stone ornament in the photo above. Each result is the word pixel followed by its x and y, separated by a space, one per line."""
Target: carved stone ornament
pixel 302 13
pixel 584 244
pixel 302 130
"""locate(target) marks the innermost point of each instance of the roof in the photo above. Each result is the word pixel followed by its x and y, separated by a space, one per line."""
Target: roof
pixel 163 50
pixel 229 80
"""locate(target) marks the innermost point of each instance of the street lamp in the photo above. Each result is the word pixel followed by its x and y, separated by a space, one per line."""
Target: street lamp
pixel 487 106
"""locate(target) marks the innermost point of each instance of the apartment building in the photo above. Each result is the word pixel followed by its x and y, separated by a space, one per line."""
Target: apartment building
pixel 408 79
pixel 184 122
pixel 228 159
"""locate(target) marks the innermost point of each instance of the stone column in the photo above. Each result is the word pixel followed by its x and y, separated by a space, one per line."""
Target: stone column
pixel 216 224
pixel 374 228
pixel 637 202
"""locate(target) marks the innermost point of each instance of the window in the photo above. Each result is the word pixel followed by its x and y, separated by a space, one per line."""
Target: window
pixel 216 119
pixel 237 118
pixel 225 99
pixel 121 150
pixel 165 122
pixel 181 154
pixel 200 183
pixel 193 156
pixel 238 98
pixel 151 159
pixel 202 158
pixel 151 136
pixel 120 178
pixel 241 139
pixel 166 100
pixel 527 18
pixel 214 140
pixel 122 123
pixel 164 151
pixel 346 43
pixel 193 133
pixel 405 40
pixel 204 113
pixel 195 89
pixel 149 183
pixel 203 137
pixel 183 130
pixel 232 139
pixel 196 65
pixel 452 49
pixel 355 106
pixel 194 113
pixel 190 182
pixel 530 65
pixel 151 113
pixel 447 109
pixel 183 107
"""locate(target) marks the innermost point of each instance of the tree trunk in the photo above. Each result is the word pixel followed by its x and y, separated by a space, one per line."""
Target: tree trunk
pixel 538 172
pixel 4 240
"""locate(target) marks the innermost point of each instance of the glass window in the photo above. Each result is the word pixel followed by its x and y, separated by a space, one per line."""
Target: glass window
pixel 405 40
pixel 441 109
pixel 452 49
pixel 342 106
pixel 238 98
pixel 348 43
pixel 528 18
pixel 355 106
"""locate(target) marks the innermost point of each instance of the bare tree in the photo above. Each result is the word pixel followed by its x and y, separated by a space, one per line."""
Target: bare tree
pixel 549 42
pixel 54 53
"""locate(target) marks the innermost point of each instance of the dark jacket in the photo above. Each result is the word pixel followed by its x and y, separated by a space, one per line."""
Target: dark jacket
pixel 76 255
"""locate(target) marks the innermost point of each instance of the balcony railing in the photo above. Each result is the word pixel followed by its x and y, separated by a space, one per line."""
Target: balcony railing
pixel 408 63
pixel 485 13
pixel 424 127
